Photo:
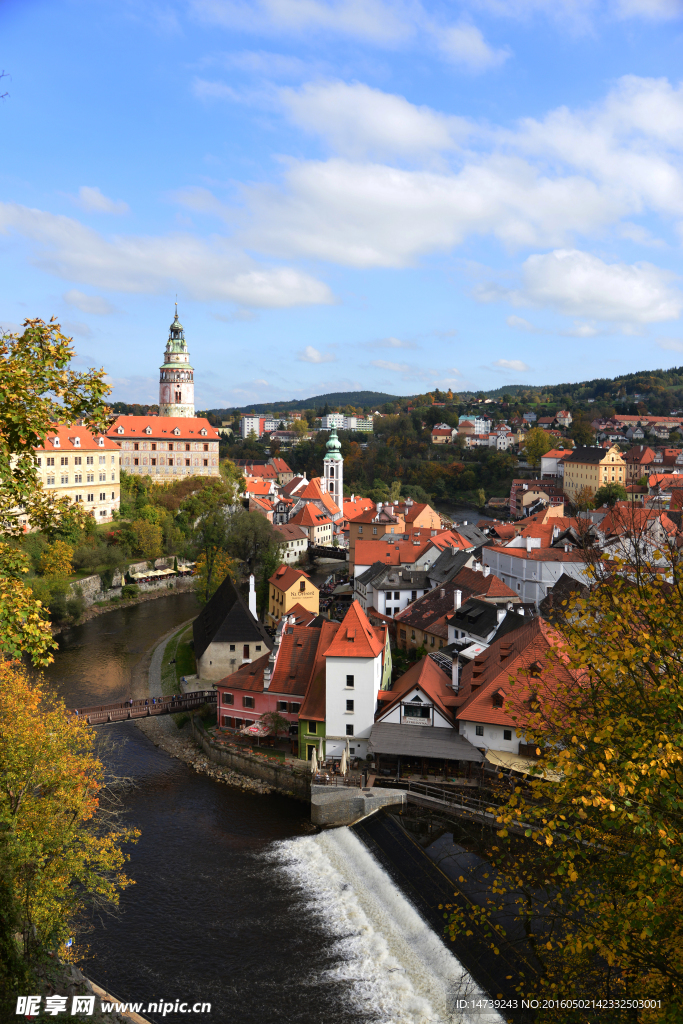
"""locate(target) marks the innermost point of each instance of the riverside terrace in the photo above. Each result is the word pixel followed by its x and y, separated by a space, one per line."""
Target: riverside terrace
pixel 123 711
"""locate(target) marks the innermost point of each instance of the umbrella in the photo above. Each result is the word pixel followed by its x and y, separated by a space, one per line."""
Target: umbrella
pixel 314 762
pixel 342 763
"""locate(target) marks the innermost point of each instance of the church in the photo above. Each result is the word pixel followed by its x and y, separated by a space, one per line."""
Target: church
pixel 175 443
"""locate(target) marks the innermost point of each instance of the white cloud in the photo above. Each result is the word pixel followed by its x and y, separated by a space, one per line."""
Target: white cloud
pixel 671 344
pixel 383 364
pixel 144 264
pixel 92 200
pixel 370 20
pixel 579 284
pixel 357 120
pixel 512 364
pixel 582 330
pixel 464 44
pixel 520 324
pixel 313 355
pixel 88 303
pixel 393 343
pixel 262 62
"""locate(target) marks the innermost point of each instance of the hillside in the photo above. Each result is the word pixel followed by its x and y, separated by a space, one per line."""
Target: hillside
pixel 357 398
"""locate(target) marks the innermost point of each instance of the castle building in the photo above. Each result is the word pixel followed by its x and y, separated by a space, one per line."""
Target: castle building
pixel 333 469
pixel 176 376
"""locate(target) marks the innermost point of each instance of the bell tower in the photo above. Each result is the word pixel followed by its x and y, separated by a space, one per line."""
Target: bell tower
pixel 333 469
pixel 176 376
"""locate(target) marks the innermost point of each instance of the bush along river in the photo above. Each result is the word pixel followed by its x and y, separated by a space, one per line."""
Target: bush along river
pixel 238 901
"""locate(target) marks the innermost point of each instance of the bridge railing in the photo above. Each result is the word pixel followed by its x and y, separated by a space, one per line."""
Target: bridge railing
pixel 447 796
pixel 121 711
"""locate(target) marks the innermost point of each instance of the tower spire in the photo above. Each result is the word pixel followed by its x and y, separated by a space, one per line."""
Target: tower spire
pixel 176 377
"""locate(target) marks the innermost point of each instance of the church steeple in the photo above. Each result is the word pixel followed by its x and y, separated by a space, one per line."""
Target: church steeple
pixel 333 469
pixel 176 376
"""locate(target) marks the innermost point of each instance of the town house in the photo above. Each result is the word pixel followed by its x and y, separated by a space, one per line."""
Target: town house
pixel 73 463
pixel 165 447
pixel 288 587
pixel 227 634
pixel 587 468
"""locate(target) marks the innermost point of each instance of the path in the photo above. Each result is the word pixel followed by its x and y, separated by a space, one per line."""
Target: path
pixel 147 677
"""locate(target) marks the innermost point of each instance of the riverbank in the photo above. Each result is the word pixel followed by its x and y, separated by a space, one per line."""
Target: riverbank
pixel 164 732
pixel 115 604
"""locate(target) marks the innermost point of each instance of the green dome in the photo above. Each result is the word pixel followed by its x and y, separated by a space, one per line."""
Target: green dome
pixel 333 447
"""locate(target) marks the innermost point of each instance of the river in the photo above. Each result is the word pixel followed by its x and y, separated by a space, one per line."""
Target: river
pixel 237 900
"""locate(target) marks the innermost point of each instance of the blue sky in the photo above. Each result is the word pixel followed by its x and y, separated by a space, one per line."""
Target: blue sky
pixel 346 194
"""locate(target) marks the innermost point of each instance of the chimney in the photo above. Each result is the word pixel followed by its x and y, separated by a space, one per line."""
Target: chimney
pixel 509 606
pixel 566 548
pixel 528 544
pixel 443 592
pixel 252 596
pixel 379 506
pixel 455 674
pixel 487 570
pixel 457 599
pixel 477 566
pixel 500 614
pixel 464 522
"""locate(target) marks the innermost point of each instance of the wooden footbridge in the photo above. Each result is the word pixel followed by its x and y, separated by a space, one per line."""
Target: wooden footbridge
pixel 126 710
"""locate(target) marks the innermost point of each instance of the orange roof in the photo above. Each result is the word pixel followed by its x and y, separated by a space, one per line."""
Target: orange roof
pixel 355 638
pixel 490 673
pixel 267 472
pixel 310 515
pixel 664 478
pixel 286 576
pixel 483 586
pixel 68 436
pixel 541 554
pixel 314 705
pixel 676 499
pixel 187 425
pixel 426 674
pixel 556 453
pixel 400 552
pixel 312 491
pixel 280 466
pixel 625 517
pixel 265 503
pixel 356 507
pixel 302 616
pixel 253 485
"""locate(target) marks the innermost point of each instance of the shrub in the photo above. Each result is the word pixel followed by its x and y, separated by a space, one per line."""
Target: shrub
pixel 130 590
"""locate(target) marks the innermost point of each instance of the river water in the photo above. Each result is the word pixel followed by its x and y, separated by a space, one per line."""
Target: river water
pixel 237 901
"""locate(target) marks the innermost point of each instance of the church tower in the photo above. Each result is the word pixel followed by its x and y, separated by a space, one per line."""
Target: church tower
pixel 176 376
pixel 333 469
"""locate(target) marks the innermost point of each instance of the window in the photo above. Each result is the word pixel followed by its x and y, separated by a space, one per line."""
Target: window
pixel 397 595
pixel 350 680
pixel 312 728
pixel 412 634
pixel 103 496
pixel 248 722
pixel 360 529
pixel 77 460
pixel 50 462
pixel 113 495
pixel 153 462
pixel 136 447
pixel 413 595
pixel 247 702
pixel 227 722
pixel 238 723
pixel 232 647
pixel 374 529
pixel 403 634
pixel 136 462
pixel 349 730
pixel 170 462
pixel 245 650
pixel 103 459
pixel 50 481
pixel 170 446
pixel 228 698
pixel 302 586
pixel 187 447
pixel 206 447
pixel 431 641
pixel 282 705
pixel 479 730
pixel 154 446
pixel 507 734
pixel 64 479
pixel 90 497
pixel 64 461
pixel 187 462
pixel 294 709
pixel 79 497
pixel 349 705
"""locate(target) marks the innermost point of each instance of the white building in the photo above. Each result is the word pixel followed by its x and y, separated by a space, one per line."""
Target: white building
pixel 333 469
pixel 341 422
pixel 353 675
pixel 532 570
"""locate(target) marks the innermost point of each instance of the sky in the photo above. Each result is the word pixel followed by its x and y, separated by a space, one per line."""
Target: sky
pixel 392 195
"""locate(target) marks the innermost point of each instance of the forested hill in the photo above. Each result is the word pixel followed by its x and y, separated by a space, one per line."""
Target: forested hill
pixel 359 399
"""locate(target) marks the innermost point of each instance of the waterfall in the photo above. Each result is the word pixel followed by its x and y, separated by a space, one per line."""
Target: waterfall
pixel 398 969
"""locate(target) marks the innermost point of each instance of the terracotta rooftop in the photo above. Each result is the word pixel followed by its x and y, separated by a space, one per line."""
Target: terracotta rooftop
pixel 286 576
pixel 189 426
pixel 355 638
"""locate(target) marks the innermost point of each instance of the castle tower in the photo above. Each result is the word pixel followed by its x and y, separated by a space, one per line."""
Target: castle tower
pixel 176 376
pixel 333 469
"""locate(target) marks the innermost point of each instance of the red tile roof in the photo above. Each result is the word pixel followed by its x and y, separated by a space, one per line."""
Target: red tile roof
pixel 541 554
pixel 286 576
pixel 314 707
pixel 280 466
pixel 426 674
pixel 253 485
pixel 68 435
pixel 516 654
pixel 355 638
pixel 478 585
pixel 356 507
pixel 400 552
pixel 187 425
pixel 310 515
pixel 290 531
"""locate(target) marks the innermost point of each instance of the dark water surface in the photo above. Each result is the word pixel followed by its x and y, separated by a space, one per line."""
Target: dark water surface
pixel 212 916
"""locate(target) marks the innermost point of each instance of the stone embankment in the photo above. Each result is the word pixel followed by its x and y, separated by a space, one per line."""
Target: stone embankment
pixel 188 751
pixel 180 586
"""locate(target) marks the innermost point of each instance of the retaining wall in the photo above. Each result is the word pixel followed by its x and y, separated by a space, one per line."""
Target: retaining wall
pixel 282 778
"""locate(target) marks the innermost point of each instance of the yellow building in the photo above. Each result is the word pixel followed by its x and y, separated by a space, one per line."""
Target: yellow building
pixel 76 464
pixel 588 468
pixel 289 587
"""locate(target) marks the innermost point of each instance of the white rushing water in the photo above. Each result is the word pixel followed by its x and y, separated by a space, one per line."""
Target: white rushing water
pixel 400 970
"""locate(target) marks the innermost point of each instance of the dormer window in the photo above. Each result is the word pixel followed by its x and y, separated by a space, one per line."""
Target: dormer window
pixel 76 441
pixel 148 430
pixel 120 430
pixel 55 442
pixel 100 441
pixel 203 431
pixel 176 430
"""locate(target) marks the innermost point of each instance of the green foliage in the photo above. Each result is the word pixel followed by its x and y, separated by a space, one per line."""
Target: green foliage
pixel 609 494
pixel 130 590
pixel 536 444
pixel 185 661
pixel 148 538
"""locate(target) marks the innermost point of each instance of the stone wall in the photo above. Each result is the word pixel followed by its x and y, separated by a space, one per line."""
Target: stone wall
pixel 90 587
pixel 286 780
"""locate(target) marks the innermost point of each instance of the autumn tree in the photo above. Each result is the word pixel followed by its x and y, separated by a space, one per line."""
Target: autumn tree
pixel 536 444
pixel 148 538
pixel 589 850
pixel 37 389
pixel 609 494
pixel 213 567
pixel 56 561
pixel 60 839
